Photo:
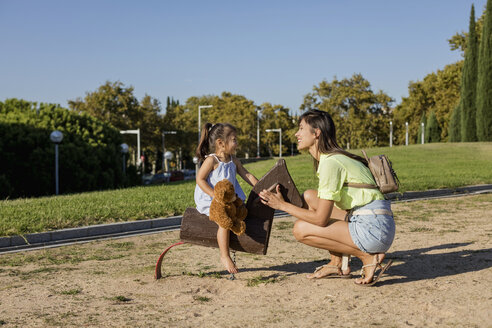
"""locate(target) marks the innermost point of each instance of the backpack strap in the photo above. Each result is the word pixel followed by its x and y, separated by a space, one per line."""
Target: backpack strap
pixel 360 185
pixel 365 155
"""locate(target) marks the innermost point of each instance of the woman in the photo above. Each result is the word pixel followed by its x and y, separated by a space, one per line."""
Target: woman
pixel 370 229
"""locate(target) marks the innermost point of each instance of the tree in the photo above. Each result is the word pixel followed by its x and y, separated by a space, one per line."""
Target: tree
pixel 469 85
pixel 360 115
pixel 454 127
pixel 484 80
pixel 459 40
pixel 438 91
pixel 276 117
pixel 432 133
pixel 151 127
pixel 171 103
pixel 229 108
pixel 115 104
pixel 226 108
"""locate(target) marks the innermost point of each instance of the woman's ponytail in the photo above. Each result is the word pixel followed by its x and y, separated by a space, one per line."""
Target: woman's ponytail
pixel 203 148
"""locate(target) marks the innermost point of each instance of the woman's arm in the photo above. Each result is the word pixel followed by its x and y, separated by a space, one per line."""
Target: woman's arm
pixel 203 172
pixel 319 217
pixel 243 173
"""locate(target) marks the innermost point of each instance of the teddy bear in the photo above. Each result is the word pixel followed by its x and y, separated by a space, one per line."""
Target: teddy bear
pixel 227 209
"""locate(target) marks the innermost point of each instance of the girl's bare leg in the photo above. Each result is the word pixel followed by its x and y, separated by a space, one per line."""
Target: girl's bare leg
pixel 310 198
pixel 225 258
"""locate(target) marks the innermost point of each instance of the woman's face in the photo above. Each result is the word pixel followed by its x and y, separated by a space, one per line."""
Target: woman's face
pixel 305 136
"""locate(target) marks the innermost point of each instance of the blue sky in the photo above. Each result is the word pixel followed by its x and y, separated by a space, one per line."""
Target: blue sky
pixel 268 51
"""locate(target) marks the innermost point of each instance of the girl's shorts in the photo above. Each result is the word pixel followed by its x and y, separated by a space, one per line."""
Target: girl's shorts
pixel 372 227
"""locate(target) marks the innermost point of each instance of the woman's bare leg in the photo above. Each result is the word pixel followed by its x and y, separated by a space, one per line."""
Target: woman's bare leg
pixel 225 257
pixel 336 238
pixel 370 270
pixel 311 199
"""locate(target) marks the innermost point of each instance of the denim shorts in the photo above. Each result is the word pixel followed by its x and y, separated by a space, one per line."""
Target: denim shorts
pixel 372 233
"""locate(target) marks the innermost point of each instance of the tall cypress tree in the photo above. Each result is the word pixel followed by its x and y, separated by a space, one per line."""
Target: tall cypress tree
pixel 469 85
pixel 454 128
pixel 432 130
pixel 484 81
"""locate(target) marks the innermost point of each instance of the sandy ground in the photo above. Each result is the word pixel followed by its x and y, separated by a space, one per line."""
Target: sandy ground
pixel 441 277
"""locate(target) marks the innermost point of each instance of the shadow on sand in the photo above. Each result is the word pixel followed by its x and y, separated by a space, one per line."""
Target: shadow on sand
pixel 411 265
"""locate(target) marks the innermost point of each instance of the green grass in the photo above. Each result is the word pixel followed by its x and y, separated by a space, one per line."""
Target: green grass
pixel 255 281
pixel 121 299
pixel 201 298
pixel 71 292
pixel 419 167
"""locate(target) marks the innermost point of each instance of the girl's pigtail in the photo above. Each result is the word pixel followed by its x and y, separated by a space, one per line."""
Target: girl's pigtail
pixel 203 148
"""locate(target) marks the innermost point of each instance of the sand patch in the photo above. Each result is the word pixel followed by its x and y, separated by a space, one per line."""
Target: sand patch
pixel 441 277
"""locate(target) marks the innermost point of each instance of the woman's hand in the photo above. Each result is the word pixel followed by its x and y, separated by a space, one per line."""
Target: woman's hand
pixel 273 200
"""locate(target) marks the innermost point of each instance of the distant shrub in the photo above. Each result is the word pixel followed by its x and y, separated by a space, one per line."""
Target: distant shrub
pixel 89 155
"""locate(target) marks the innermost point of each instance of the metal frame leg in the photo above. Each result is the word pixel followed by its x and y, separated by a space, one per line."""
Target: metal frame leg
pixel 158 272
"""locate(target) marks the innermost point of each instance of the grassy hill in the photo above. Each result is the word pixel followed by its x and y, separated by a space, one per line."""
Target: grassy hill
pixel 419 167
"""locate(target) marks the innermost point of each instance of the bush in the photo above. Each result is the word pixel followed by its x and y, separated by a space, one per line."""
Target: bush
pixel 89 156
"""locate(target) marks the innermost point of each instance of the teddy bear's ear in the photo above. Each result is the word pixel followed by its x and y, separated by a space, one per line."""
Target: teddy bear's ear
pixel 218 191
pixel 221 188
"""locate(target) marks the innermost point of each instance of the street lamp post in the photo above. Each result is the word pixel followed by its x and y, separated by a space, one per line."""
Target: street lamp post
pixel 196 160
pixel 164 159
pixel 137 132
pixel 56 137
pixel 168 156
pixel 124 151
pixel 258 132
pixel 406 133
pixel 280 138
pixel 391 133
pixel 423 126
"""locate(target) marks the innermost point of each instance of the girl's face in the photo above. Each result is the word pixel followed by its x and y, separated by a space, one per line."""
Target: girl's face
pixel 306 137
pixel 231 144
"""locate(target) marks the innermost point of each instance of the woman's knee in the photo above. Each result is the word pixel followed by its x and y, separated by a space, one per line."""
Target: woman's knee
pixel 299 230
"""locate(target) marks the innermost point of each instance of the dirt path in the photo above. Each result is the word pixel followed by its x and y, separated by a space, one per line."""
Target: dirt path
pixel 441 277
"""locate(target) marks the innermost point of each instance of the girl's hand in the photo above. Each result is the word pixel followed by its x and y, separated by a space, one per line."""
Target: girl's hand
pixel 273 200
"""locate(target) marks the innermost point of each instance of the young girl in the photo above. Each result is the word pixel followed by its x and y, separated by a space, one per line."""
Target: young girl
pixel 216 148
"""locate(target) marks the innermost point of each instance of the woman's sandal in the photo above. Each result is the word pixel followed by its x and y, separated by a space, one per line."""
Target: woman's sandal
pixel 337 274
pixel 374 277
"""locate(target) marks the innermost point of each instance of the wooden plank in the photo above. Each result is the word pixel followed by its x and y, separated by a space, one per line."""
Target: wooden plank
pixel 197 229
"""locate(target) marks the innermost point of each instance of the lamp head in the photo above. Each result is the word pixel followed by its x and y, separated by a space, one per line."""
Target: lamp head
pixel 56 137
pixel 124 148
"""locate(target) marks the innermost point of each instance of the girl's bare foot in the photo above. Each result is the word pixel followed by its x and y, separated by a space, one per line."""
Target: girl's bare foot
pixel 228 264
pixel 370 264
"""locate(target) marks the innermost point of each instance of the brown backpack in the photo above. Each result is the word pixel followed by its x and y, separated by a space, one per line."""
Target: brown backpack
pixel 384 175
